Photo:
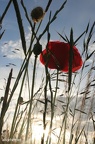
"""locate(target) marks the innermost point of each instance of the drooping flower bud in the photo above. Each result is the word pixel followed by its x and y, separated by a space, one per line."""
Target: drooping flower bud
pixel 37 48
pixel 37 14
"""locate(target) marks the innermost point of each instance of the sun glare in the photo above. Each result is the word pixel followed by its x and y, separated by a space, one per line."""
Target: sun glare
pixel 38 132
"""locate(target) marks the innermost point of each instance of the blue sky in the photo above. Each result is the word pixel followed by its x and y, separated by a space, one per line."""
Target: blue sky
pixel 76 14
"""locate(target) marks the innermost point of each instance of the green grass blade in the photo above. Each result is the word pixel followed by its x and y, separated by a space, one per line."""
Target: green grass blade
pixel 48 5
pixel 4 106
pixel 5 11
pixel 70 60
pixel 20 25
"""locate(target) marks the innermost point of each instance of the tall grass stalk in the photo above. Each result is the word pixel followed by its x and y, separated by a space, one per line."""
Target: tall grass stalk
pixel 31 100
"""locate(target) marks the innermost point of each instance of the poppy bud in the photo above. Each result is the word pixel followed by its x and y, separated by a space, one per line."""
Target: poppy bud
pixel 37 14
pixel 37 49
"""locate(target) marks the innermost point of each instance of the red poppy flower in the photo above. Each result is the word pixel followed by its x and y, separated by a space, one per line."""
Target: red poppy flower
pixel 57 56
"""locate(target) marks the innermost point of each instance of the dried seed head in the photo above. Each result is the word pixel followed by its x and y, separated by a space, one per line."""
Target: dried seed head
pixel 37 14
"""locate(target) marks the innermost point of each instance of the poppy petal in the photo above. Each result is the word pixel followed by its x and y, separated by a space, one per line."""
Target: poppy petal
pixel 57 56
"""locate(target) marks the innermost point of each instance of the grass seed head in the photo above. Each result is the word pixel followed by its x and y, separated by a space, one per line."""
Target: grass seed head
pixel 37 14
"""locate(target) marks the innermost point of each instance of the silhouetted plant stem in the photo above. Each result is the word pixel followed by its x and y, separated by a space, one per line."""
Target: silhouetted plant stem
pixel 5 11
pixel 31 100
pixel 5 104
pixel 17 108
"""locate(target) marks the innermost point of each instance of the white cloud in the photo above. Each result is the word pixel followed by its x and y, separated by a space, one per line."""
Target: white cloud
pixel 14 50
pixel 9 49
pixel 92 47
